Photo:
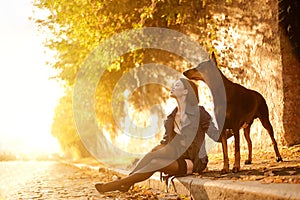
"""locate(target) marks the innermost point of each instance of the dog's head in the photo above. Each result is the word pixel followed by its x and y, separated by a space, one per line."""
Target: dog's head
pixel 200 72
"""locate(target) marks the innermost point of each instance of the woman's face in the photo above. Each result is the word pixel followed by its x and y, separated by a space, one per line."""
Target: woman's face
pixel 178 90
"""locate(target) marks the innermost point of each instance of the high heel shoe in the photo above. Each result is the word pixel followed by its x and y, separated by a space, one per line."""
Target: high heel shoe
pixel 111 186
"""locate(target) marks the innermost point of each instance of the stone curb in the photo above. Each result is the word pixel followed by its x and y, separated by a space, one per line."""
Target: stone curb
pixel 202 189
pixel 227 189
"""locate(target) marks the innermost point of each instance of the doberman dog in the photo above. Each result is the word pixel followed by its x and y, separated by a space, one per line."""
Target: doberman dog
pixel 242 107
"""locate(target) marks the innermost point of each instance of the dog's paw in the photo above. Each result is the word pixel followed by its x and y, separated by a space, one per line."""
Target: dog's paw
pixel 279 159
pixel 235 169
pixel 248 162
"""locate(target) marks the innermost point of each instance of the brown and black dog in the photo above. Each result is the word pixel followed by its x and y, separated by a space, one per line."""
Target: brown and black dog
pixel 241 108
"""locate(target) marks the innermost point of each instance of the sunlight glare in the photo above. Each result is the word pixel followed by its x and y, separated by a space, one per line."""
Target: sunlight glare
pixel 28 97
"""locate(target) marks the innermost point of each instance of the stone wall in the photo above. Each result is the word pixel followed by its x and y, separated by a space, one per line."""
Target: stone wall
pixel 248 47
pixel 291 92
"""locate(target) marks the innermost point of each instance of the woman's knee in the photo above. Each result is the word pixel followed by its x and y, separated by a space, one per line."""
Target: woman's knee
pixel 161 164
pixel 154 161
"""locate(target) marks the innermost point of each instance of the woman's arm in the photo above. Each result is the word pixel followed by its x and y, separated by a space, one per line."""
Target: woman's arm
pixel 208 125
pixel 169 126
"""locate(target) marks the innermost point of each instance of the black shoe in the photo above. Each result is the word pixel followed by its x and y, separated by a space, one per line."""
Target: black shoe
pixel 111 186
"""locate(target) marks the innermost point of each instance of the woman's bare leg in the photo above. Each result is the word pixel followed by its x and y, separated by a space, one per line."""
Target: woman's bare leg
pixel 189 166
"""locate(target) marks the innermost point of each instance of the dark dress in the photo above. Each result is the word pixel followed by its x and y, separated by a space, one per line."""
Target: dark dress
pixel 193 135
pixel 189 144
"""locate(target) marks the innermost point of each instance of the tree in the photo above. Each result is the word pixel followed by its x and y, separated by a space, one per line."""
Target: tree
pixel 76 28
pixel 63 128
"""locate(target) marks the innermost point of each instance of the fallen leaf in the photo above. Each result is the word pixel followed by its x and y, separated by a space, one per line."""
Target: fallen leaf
pixel 267 180
pixel 278 180
pixel 296 181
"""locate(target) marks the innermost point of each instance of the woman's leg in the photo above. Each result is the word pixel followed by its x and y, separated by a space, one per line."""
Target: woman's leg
pixel 189 166
pixel 125 183
pixel 160 151
pixel 143 161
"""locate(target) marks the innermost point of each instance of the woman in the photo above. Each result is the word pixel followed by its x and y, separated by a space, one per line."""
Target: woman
pixel 182 150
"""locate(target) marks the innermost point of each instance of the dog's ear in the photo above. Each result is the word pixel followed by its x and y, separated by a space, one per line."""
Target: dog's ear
pixel 213 58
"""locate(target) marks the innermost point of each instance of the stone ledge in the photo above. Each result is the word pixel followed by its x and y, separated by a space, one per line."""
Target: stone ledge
pixel 226 189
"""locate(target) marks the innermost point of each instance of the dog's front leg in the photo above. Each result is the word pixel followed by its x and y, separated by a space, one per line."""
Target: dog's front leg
pixel 237 154
pixel 225 153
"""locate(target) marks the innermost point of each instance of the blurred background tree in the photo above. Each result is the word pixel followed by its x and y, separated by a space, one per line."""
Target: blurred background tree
pixel 76 28
pixel 63 128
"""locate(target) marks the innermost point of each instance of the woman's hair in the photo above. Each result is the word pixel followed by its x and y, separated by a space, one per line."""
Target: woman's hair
pixel 192 96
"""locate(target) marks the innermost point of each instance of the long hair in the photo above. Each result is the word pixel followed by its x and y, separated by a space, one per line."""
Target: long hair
pixel 192 96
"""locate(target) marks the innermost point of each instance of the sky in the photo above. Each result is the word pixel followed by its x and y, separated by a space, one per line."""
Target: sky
pixel 28 98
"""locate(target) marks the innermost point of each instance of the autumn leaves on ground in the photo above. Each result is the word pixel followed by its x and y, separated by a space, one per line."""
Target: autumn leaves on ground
pixel 264 167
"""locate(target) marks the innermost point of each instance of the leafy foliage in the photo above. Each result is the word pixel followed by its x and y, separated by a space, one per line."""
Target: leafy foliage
pixel 77 27
pixel 64 130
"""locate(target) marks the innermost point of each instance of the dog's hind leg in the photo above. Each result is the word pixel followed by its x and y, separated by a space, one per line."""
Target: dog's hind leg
pixel 249 142
pixel 225 153
pixel 237 154
pixel 264 118
pixel 269 127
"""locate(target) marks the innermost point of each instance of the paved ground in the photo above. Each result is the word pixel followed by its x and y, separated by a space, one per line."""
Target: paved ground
pixel 60 180
pixel 57 180
pixel 44 180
